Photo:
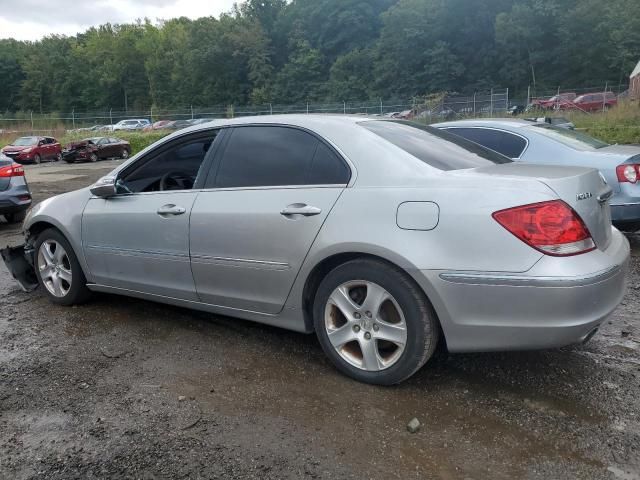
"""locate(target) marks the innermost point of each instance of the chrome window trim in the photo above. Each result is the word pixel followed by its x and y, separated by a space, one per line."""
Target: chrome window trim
pixel 228 189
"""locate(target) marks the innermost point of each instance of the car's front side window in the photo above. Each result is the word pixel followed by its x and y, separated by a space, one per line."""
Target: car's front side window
pixel 170 167
pixel 263 156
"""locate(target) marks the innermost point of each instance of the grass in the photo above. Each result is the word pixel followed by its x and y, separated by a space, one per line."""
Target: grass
pixel 619 125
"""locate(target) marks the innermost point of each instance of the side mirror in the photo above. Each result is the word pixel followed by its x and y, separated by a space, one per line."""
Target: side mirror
pixel 105 187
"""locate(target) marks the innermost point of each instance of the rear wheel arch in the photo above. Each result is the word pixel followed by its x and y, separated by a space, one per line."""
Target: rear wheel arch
pixel 322 269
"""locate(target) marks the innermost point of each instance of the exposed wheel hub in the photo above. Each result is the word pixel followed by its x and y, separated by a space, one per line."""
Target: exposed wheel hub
pixel 365 325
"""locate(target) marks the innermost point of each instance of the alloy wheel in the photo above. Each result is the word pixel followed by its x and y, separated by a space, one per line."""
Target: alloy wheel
pixel 54 267
pixel 365 325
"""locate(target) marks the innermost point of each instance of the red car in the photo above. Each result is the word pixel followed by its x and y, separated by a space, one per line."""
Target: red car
pixel 34 149
pixel 555 102
pixel 160 124
pixel 593 102
pixel 94 149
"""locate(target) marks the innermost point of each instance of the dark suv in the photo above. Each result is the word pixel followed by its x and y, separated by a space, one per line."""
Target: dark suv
pixel 15 197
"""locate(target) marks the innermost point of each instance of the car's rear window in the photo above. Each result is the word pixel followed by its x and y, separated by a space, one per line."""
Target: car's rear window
pixel 437 148
pixel 571 138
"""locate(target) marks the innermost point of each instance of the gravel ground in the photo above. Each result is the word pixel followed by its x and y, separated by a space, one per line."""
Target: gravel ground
pixel 123 388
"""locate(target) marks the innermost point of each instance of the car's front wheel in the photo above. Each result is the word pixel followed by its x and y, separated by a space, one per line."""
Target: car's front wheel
pixel 37 159
pixel 374 322
pixel 125 154
pixel 58 270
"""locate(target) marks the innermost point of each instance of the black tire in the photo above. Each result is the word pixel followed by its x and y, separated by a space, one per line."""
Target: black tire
pixel 125 154
pixel 78 291
pixel 93 157
pixel 37 159
pixel 58 157
pixel 423 329
pixel 15 217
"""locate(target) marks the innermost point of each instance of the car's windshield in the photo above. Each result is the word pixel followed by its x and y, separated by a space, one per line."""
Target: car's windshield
pixel 571 138
pixel 24 141
pixel 437 148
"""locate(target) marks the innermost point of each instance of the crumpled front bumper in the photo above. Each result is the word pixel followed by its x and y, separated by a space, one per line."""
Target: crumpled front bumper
pixel 19 262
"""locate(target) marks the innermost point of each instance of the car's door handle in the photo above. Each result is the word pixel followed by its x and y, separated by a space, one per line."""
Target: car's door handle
pixel 300 209
pixel 171 209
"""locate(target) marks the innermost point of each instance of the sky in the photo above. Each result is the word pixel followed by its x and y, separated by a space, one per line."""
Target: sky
pixel 33 19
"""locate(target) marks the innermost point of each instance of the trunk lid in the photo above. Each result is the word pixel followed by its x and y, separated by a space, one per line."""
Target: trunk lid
pixel 628 150
pixel 583 189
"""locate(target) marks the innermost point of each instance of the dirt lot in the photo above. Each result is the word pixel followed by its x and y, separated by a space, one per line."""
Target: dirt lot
pixel 123 388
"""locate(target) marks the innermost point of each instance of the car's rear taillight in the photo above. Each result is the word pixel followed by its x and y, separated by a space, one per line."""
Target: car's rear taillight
pixel 628 172
pixel 551 227
pixel 13 170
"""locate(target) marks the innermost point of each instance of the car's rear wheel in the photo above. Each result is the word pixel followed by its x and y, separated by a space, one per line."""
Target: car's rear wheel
pixel 374 322
pixel 125 154
pixel 58 156
pixel 93 157
pixel 58 270
pixel 37 158
pixel 15 217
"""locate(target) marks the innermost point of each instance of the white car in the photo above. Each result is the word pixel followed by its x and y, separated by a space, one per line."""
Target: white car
pixel 131 124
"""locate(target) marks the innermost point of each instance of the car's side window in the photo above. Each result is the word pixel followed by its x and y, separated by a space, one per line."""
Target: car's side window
pixel 512 145
pixel 483 136
pixel 327 168
pixel 170 167
pixel 505 143
pixel 262 156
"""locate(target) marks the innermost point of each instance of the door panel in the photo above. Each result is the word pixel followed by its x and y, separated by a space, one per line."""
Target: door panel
pixel 245 253
pixel 128 244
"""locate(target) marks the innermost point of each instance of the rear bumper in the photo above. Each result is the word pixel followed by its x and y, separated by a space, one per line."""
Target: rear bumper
pixel 15 199
pixel 560 301
pixel 626 212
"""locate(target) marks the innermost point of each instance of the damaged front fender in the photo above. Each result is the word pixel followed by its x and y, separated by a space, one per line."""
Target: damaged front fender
pixel 19 262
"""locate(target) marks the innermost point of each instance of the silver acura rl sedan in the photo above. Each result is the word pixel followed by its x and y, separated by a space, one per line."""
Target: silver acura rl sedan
pixel 381 236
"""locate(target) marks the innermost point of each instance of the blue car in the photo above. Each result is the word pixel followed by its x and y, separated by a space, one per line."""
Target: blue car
pixel 15 197
pixel 542 143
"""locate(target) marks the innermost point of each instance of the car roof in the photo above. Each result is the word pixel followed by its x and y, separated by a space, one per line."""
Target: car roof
pixel 508 123
pixel 343 132
pixel 311 121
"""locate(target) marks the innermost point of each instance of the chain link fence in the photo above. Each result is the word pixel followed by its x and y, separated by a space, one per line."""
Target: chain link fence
pixel 428 109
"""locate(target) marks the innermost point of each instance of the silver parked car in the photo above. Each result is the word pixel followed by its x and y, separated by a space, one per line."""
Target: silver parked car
pixel 547 144
pixel 383 236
